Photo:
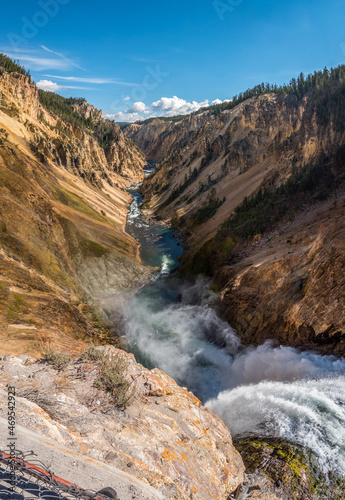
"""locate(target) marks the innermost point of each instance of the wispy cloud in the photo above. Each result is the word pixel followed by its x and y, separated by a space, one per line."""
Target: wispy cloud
pixel 99 81
pixel 24 50
pixel 38 60
pixel 39 63
pixel 64 58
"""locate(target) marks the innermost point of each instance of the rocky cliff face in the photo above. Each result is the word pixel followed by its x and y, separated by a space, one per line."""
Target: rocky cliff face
pixel 290 285
pixel 63 250
pixel 229 155
pixel 270 287
pixel 164 438
pixel 88 110
pixel 159 138
pixel 63 212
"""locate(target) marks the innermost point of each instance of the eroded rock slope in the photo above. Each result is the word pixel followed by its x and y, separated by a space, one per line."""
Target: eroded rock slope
pixel 63 209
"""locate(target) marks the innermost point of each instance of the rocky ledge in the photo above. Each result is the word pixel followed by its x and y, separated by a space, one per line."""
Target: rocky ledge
pixel 109 408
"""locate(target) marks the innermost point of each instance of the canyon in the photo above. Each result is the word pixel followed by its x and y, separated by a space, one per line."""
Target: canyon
pixel 278 277
pixel 74 271
pixel 65 252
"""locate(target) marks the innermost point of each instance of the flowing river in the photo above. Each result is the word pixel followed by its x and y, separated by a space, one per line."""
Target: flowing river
pixel 265 391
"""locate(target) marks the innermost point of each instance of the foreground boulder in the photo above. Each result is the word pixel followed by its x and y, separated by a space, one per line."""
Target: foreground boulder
pixel 112 409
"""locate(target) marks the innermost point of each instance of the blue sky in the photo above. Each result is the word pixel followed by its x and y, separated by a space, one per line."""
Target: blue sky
pixel 136 59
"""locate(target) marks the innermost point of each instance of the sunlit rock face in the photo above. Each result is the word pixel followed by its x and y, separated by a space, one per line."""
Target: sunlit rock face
pixel 63 210
pixel 165 436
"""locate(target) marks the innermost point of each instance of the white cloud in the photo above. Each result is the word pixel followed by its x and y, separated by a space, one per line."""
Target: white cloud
pixel 48 85
pixel 171 106
pixel 125 117
pixel 165 107
pixel 54 87
pixel 127 98
pixel 139 111
pixel 138 107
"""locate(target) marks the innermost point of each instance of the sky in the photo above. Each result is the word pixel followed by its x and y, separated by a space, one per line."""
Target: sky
pixel 138 59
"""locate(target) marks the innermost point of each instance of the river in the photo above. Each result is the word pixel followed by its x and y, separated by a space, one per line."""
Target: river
pixel 265 391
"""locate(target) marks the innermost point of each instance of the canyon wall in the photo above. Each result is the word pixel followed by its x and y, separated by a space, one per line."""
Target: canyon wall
pixel 63 207
pixel 280 280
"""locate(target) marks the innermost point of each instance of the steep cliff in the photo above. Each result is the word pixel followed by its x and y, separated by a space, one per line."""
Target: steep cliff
pixel 88 110
pixel 62 227
pixel 256 190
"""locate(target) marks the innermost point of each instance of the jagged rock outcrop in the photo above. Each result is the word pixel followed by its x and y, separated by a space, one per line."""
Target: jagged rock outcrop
pixel 159 138
pixel 88 110
pixel 123 156
pixel 66 144
pixel 164 437
pixel 18 94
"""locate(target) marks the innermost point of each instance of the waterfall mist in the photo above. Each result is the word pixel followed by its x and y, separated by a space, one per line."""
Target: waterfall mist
pixel 266 390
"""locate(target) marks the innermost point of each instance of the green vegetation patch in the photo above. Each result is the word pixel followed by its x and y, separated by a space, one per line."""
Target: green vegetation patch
pixel 208 210
pixel 93 249
pixel 188 180
pixel 103 131
pixel 320 85
pixel 57 360
pixel 210 257
pixel 13 66
pixel 267 207
pixel 76 202
pixel 292 469
pixel 62 107
pixel 17 307
pixel 112 376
